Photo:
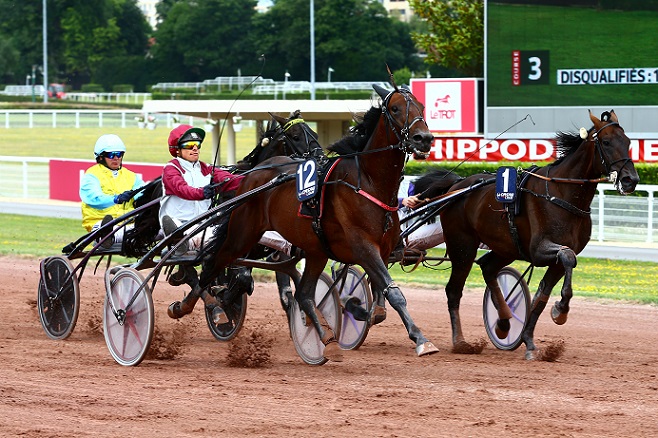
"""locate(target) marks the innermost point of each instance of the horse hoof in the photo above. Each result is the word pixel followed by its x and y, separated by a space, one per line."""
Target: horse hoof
pixel 558 317
pixel 378 315
pixel 426 348
pixel 502 328
pixel 333 352
pixel 219 316
pixel 529 355
pixel 174 310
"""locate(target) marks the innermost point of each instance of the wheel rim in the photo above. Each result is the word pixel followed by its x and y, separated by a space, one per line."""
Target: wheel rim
pixel 517 297
pixel 58 298
pixel 354 332
pixel 304 336
pixel 128 342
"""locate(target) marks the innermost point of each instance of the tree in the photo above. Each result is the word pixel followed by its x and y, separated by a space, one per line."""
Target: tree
pixel 455 38
pixel 356 38
pixel 204 39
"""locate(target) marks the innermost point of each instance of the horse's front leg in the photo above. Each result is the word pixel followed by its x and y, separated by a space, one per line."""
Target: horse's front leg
pixel 384 287
pixel 553 274
pixel 560 309
pixel 305 296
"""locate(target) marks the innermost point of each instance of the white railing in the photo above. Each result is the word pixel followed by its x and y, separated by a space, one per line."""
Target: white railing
pixel 82 118
pixel 615 218
pixel 135 98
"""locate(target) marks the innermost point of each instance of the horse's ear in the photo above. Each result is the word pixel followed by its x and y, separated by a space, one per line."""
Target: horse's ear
pixel 383 92
pixel 281 120
pixel 594 119
pixel 392 78
pixel 613 116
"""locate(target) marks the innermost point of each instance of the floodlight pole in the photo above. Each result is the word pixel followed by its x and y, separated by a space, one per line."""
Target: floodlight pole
pixel 312 51
pixel 45 53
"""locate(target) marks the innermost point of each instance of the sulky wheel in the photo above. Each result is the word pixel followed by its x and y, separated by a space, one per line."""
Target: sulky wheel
pixel 235 312
pixel 128 317
pixel 354 332
pixel 516 293
pixel 58 298
pixel 303 333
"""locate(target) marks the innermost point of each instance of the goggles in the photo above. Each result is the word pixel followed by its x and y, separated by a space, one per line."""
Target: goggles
pixel 113 155
pixel 190 145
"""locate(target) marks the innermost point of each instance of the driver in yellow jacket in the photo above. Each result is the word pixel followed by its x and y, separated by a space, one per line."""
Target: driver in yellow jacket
pixel 107 188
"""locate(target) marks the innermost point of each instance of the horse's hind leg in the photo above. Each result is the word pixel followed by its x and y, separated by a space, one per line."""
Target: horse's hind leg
pixel 550 279
pixel 491 264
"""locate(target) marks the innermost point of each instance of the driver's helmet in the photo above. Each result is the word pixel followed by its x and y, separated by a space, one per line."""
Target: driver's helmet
pixel 182 134
pixel 108 143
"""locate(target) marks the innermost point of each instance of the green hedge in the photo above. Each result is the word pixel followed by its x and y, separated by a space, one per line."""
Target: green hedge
pixel 92 88
pixel 648 172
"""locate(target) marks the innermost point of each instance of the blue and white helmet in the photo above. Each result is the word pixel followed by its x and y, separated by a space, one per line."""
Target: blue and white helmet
pixel 108 143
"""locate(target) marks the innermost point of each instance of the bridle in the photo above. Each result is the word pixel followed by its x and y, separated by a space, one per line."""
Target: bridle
pixel 402 131
pixel 605 161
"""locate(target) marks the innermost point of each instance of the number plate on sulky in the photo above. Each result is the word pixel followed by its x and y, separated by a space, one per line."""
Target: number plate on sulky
pixel 506 184
pixel 307 180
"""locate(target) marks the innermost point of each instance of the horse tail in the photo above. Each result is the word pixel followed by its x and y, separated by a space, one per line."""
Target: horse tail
pixel 435 183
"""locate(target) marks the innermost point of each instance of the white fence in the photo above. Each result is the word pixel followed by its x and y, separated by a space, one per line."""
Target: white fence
pixel 615 218
pixel 80 118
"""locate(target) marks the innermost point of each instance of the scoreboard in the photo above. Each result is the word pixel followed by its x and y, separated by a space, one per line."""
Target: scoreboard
pixel 553 60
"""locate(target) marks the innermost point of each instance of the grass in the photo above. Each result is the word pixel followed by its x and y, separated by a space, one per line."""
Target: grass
pixel 37 237
pixel 143 145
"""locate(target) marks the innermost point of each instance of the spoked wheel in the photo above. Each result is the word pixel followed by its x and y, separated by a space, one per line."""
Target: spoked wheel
pixel 58 298
pixel 236 312
pixel 517 295
pixel 128 317
pixel 303 333
pixel 354 332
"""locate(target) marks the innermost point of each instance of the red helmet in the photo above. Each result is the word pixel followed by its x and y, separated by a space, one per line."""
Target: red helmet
pixel 183 133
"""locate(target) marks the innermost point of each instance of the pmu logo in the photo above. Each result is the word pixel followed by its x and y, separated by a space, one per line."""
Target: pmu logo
pixel 441 110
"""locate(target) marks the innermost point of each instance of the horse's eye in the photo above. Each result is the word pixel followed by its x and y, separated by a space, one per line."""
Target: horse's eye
pixel 606 143
pixel 295 137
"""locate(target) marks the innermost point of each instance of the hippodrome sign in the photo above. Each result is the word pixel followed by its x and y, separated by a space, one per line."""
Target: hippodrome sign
pixel 482 149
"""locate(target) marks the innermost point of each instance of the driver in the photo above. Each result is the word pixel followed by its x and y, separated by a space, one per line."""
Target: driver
pixel 107 188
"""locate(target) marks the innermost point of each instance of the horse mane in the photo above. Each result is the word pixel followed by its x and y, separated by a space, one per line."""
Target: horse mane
pixel 566 143
pixel 357 138
pixel 435 182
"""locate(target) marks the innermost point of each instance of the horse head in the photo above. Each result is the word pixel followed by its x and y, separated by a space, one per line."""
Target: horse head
pixel 283 137
pixel 404 117
pixel 612 146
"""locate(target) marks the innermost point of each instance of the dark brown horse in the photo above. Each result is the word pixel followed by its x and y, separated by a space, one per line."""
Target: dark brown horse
pixel 358 221
pixel 290 137
pixel 552 223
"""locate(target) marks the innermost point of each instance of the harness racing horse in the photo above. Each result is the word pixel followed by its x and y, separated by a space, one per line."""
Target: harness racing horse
pixel 290 137
pixel 550 225
pixel 358 219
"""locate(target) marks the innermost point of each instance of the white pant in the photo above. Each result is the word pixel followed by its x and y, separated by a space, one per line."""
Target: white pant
pixel 427 235
pixel 118 233
pixel 270 239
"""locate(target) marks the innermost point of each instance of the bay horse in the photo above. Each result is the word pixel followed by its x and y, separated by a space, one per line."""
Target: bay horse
pixel 548 227
pixel 358 221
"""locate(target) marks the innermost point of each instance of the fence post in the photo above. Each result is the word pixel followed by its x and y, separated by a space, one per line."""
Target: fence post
pixel 54 119
pixel 650 217
pixel 77 119
pixel 31 121
pixel 7 120
pixel 100 119
pixel 25 179
pixel 601 212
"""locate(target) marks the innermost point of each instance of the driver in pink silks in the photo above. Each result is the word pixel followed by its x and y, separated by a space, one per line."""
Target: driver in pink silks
pixel 187 188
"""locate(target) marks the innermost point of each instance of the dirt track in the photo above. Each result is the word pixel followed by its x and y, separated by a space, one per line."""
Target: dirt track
pixel 605 384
